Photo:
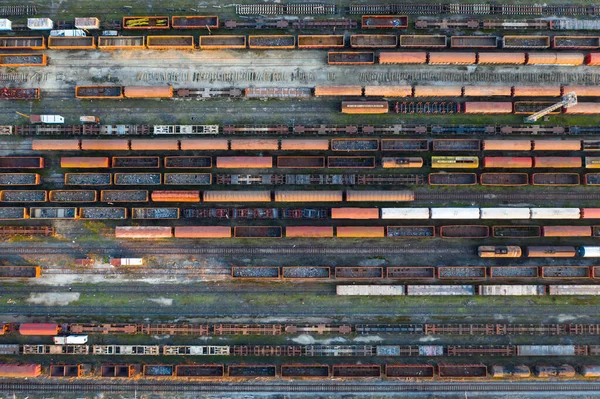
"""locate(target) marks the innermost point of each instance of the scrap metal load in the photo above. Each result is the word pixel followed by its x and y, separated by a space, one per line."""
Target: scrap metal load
pixel 7 93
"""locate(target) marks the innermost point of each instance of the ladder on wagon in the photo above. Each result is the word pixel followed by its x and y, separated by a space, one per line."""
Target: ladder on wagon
pixel 568 100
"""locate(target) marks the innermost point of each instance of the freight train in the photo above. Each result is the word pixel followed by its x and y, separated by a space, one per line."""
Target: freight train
pixel 187 329
pixel 354 41
pixel 348 144
pixel 427 351
pixel 388 91
pixel 216 371
pixel 467 290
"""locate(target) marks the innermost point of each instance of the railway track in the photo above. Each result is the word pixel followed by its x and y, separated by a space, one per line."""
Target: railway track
pixel 227 250
pixel 280 388
pixel 512 197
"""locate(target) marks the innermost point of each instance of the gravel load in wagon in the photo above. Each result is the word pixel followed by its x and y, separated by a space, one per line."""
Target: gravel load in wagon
pixel 341 58
pixel 53 213
pixel 304 371
pixel 255 272
pixel 357 371
pixel 251 371
pixel 358 272
pixel 18 271
pixel 504 179
pixel 142 179
pixel 300 162
pixel 423 41
pixel 409 371
pixel 531 107
pixel 411 272
pixel 573 42
pixel 188 178
pixel 15 179
pixel 12 213
pixel 72 196
pixel 222 41
pixel 464 231
pixel 451 272
pixel 351 162
pixel 23 196
pixel 530 42
pixel 124 196
pixel 473 42
pixel 592 179
pixel 155 213
pixel 102 213
pixel 195 22
pixel 274 41
pixel 374 41
pixel 87 179
pixel 565 272
pixel 135 162
pixel 21 162
pixel 456 145
pixel 516 231
pixel 99 91
pixel 410 231
pixel 197 370
pixel 22 59
pixel 158 370
pixel 354 145
pixel 305 272
pixel 555 179
pixel 188 162
pixel 404 145
pixel 514 271
pixel 452 179
pixel 257 231
pixel 462 371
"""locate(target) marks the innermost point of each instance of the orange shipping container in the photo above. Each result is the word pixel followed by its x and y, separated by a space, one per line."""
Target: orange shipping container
pixel 487 91
pixel 360 231
pixel 154 144
pixel 237 196
pixel 487 107
pixel 438 91
pixel 244 162
pixel 304 145
pixel 20 370
pixel 309 231
pixel 507 162
pixel 388 91
pixel 507 145
pixel 583 91
pixel 355 213
pixel 84 162
pixel 143 232
pixel 176 196
pixel 555 58
pixel 557 162
pixel 148 91
pixel 453 58
pixel 203 232
pixel 49 145
pixel 557 145
pixel 501 58
pixel 567 231
pixel 39 329
pixel 590 213
pixel 321 91
pixel 536 91
pixel 254 144
pixel 204 144
pixel 379 195
pixel 406 57
pixel 583 108
pixel 309 196
pixel 105 145
pixel 592 59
